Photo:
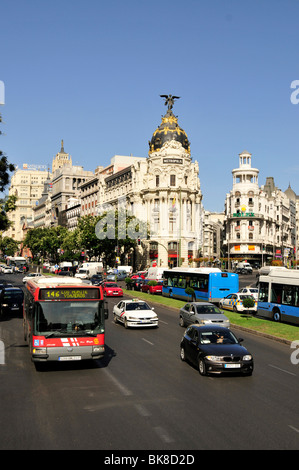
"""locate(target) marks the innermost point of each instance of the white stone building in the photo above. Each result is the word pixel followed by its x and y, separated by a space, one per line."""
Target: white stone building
pixel 259 221
pixel 163 190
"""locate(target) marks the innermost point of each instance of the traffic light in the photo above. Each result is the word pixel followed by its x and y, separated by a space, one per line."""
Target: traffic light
pixel 138 241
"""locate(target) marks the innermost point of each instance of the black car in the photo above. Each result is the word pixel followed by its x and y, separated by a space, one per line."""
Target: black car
pixel 215 349
pixel 96 279
pixel 65 272
pixel 11 300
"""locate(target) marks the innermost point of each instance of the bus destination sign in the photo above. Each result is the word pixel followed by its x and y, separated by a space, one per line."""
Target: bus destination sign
pixel 69 293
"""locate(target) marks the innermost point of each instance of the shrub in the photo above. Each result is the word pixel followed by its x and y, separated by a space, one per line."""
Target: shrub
pixel 249 302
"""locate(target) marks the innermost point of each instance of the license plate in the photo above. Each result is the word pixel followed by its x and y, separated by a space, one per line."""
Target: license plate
pixel 69 358
pixel 232 366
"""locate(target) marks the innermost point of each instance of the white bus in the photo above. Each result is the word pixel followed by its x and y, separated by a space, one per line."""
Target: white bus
pixel 278 297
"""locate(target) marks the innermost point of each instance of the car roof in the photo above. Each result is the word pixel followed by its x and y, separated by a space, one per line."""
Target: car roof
pixel 209 328
pixel 12 288
pixel 201 303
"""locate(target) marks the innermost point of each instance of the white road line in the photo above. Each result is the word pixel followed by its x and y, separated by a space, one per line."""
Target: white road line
pixel 293 427
pixel 161 321
pixel 152 344
pixel 142 410
pixel 124 390
pixel 2 353
pixel 282 370
pixel 164 436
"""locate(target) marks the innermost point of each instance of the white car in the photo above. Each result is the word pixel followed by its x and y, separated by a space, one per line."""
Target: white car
pixel 134 313
pixel 7 270
pixel 31 276
pixel 250 291
pixel 234 302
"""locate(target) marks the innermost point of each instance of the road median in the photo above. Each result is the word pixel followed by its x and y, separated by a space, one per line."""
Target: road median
pixel 281 332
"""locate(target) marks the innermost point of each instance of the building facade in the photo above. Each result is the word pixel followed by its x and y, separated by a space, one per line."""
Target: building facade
pixel 163 191
pixel 28 185
pixel 259 221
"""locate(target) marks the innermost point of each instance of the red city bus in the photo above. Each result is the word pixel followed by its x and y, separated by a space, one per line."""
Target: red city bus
pixel 64 319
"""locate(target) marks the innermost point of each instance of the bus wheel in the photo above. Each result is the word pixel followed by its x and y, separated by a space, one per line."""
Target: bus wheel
pixel 276 315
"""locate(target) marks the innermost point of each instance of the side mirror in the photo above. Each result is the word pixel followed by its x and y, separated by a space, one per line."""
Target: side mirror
pixel 106 310
pixel 240 340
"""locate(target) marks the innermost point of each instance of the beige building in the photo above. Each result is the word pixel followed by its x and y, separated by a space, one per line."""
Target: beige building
pixel 27 184
pixel 66 181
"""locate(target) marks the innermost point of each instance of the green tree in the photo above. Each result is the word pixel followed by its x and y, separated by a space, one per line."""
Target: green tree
pixel 8 246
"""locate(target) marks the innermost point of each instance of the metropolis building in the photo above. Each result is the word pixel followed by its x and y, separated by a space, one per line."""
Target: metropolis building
pixel 163 191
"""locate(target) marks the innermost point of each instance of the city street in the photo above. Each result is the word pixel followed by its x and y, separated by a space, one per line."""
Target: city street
pixel 142 396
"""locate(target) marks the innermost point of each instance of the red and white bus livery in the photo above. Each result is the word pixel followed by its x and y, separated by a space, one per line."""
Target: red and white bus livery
pixel 64 319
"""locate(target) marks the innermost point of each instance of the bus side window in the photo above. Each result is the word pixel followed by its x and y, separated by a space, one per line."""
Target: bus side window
pixel 276 293
pixel 263 292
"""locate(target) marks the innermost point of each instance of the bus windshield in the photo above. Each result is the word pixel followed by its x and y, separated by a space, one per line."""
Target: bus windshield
pixel 58 319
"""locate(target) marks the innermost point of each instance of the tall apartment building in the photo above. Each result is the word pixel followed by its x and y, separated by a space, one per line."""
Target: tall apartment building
pixel 259 221
pixel 27 184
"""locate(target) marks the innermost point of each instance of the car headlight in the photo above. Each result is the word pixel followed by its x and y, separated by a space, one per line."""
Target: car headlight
pixel 247 357
pixel 213 358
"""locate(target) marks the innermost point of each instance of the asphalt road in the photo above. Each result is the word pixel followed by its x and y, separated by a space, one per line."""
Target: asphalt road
pixel 142 396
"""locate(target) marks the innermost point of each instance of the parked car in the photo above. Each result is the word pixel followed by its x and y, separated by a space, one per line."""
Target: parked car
pixel 112 289
pixel 96 279
pixel 11 300
pixel 203 313
pixel 250 291
pixel 141 274
pixel 134 312
pixel 215 349
pixel 235 301
pixel 7 270
pixel 111 277
pixel 31 276
pixel 121 275
pixel 65 272
pixel 137 283
pixel 147 286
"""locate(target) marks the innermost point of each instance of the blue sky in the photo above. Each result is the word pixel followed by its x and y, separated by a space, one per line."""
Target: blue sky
pixel 91 73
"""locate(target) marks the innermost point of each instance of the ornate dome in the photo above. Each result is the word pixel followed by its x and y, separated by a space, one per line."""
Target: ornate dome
pixel 168 130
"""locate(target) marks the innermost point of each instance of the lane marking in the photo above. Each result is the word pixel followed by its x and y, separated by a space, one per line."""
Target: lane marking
pixel 164 436
pixel 293 427
pixel 123 389
pixel 282 370
pixel 142 410
pixel 2 353
pixel 152 344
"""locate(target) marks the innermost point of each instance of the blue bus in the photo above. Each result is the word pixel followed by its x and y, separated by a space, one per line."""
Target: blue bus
pixel 278 297
pixel 209 284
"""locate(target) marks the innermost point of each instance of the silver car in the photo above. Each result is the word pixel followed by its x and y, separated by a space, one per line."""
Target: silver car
pixel 203 313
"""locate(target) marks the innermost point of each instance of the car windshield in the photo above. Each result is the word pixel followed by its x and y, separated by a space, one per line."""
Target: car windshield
pixel 78 318
pixel 15 295
pixel 218 337
pixel 110 284
pixel 137 306
pixel 207 309
pixel 245 296
pixel 253 290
